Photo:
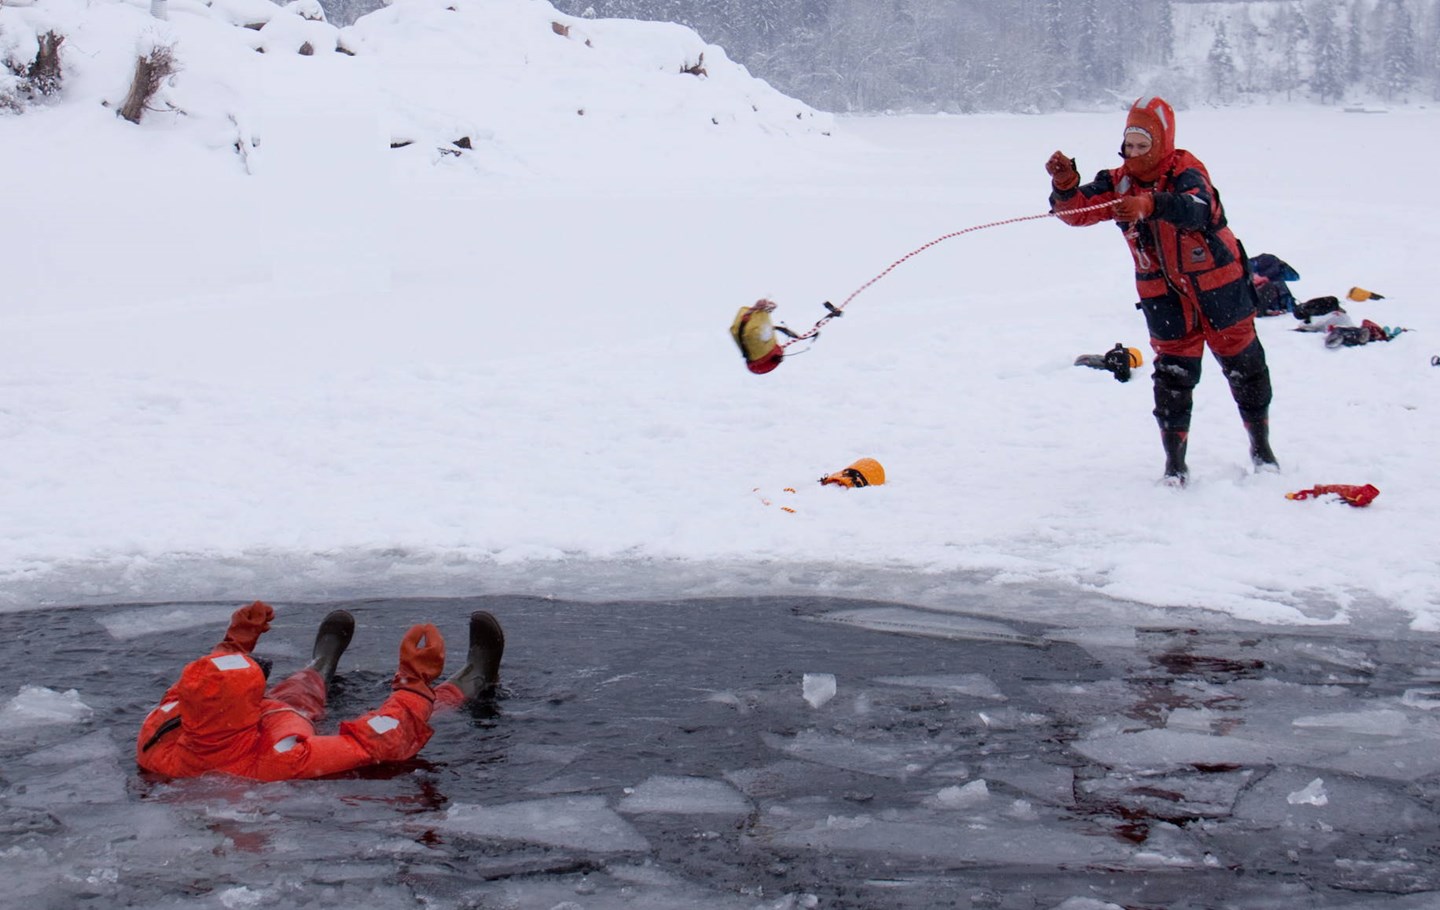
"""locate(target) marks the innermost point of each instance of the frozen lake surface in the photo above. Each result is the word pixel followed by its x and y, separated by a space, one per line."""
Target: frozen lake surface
pixel 758 752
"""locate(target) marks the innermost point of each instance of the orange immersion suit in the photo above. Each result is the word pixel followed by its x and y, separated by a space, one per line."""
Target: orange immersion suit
pixel 219 718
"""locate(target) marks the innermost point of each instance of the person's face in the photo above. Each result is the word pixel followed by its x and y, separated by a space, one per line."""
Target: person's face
pixel 1135 145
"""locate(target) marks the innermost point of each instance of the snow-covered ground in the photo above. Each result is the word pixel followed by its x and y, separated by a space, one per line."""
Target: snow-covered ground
pixel 320 366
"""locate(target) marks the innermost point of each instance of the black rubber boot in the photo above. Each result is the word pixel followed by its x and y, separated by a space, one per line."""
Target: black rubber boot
pixel 333 637
pixel 1260 454
pixel 1175 443
pixel 481 673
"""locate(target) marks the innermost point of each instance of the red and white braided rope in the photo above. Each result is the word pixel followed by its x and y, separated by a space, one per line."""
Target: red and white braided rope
pixel 835 310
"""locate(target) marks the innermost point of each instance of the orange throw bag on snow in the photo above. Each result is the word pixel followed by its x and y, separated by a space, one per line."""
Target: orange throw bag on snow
pixel 865 472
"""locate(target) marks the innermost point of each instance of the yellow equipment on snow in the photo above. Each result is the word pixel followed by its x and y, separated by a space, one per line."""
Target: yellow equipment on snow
pixel 755 335
pixel 1360 295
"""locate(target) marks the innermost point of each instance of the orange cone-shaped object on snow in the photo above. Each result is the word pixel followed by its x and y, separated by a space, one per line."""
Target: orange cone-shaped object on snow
pixel 865 472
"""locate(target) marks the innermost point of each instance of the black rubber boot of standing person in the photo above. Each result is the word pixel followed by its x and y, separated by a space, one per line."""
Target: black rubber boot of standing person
pixel 333 637
pixel 1175 443
pixel 1260 454
pixel 481 673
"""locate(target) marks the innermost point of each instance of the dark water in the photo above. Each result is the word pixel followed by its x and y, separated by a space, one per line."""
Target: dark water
pixel 662 755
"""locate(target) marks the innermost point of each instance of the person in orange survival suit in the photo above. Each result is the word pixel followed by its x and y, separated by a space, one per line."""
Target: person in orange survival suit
pixel 1190 271
pixel 219 718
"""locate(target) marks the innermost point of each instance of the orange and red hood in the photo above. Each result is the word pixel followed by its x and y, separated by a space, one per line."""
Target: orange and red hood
pixel 1156 117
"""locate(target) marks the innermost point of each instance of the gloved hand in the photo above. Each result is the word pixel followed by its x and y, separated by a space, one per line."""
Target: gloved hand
pixel 1061 169
pixel 247 624
pixel 1134 208
pixel 422 657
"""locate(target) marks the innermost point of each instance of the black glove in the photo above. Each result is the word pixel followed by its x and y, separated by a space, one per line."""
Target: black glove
pixel 1117 361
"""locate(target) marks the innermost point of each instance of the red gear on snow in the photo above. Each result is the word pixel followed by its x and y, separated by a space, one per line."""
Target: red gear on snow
pixel 1359 495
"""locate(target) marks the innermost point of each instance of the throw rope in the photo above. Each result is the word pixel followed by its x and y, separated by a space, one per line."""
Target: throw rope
pixel 834 311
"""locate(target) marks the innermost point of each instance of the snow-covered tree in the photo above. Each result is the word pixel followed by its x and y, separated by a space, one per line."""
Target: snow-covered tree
pixel 1328 79
pixel 1398 64
pixel 1355 45
pixel 1165 32
pixel 1290 30
pixel 1221 63
pixel 1087 45
pixel 1434 52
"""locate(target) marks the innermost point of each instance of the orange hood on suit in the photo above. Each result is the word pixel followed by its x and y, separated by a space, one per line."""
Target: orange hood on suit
pixel 220 699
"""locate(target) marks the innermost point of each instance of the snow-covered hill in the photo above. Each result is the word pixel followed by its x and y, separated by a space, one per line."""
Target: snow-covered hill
pixel 462 84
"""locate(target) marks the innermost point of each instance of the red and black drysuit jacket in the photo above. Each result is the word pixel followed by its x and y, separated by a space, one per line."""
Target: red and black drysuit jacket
pixel 219 718
pixel 1190 271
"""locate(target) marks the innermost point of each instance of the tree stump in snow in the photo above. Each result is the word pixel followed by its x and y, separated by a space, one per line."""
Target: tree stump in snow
pixel 44 73
pixel 150 71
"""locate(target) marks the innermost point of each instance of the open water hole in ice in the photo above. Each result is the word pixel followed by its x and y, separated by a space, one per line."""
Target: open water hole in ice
pixel 749 753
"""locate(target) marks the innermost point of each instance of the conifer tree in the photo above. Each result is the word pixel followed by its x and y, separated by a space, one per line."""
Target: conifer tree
pixel 1328 79
pixel 1222 65
pixel 1434 53
pixel 1355 45
pixel 1165 33
pixel 1398 64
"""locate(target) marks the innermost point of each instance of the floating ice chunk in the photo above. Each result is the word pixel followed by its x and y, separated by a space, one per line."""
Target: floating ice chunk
pixel 1049 783
pixel 897 760
pixel 1022 810
pixel 1404 759
pixel 973 684
pixel 35 705
pixel 1313 794
pixel 930 624
pixel 1000 841
pixel 1346 658
pixel 1197 720
pixel 241 898
pixel 1149 750
pixel 1352 805
pixel 685 795
pixel 1177 795
pixel 1085 903
pixel 1425 699
pixel 818 688
pixel 1006 718
pixel 1384 722
pixel 971 795
pixel 91 747
pixel 577 823
pixel 88 784
pixel 126 624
